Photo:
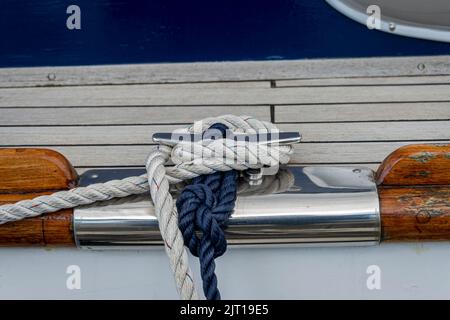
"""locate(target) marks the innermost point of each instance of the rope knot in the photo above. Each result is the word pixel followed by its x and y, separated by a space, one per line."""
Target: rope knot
pixel 204 208
pixel 203 212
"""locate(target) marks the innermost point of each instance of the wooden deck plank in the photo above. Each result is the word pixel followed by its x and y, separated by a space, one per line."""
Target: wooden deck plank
pixel 347 152
pixel 311 132
pixel 307 153
pixel 122 116
pixel 84 135
pixel 367 81
pixel 363 112
pixel 177 114
pixel 371 131
pixel 225 71
pixel 158 95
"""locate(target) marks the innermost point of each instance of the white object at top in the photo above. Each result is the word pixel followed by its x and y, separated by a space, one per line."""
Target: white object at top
pixel 412 18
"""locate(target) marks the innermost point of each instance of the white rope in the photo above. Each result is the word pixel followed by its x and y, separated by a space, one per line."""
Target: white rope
pixel 190 160
pixel 281 182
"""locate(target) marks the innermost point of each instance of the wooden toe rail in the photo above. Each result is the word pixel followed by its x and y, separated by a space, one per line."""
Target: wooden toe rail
pixel 25 174
pixel 414 190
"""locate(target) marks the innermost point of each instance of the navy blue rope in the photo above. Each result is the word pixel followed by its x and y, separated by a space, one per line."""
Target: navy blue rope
pixel 205 206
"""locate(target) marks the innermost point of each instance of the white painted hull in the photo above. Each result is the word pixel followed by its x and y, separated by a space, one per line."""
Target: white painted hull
pixel 410 271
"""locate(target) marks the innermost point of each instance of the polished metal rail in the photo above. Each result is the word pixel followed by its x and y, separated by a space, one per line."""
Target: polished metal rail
pixel 321 205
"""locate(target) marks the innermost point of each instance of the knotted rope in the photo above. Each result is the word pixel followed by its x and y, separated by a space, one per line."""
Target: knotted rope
pixel 190 159
pixel 205 206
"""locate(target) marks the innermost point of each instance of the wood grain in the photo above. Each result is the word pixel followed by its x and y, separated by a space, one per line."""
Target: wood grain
pixel 415 213
pixel 25 174
pixel 24 170
pixel 427 164
pixel 142 134
pixel 122 116
pixel 225 71
pixel 361 112
pixel 53 229
pixel 169 95
pixel 367 81
pixel 370 131
pixel 414 192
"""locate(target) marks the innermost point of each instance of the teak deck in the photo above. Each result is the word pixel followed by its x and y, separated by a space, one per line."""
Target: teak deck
pixel 350 111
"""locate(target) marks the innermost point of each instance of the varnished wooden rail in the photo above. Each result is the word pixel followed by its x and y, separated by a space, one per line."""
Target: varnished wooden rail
pixel 414 190
pixel 413 184
pixel 25 174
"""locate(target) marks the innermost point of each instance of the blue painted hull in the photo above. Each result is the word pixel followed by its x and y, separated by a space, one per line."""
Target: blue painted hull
pixel 34 33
